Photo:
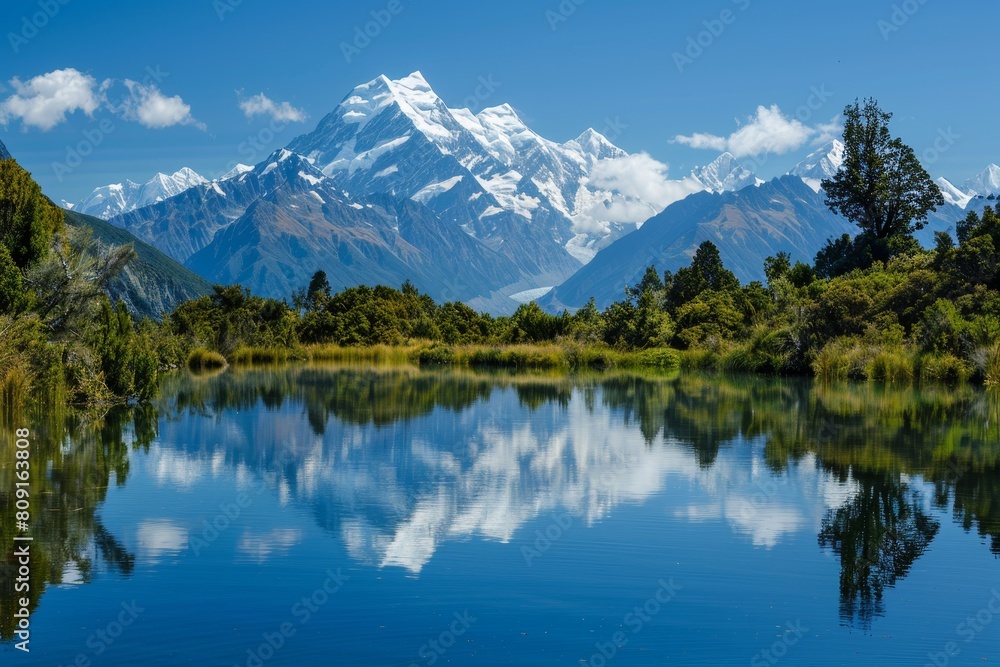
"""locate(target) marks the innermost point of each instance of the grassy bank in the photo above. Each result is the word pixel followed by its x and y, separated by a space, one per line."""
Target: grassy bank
pixel 543 356
pixel 547 356
pixel 841 360
pixel 852 360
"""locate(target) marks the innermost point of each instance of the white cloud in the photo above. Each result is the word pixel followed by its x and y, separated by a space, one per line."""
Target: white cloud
pixel 702 140
pixel 640 187
pixel 44 100
pixel 260 104
pixel 151 108
pixel 642 177
pixel 827 132
pixel 767 131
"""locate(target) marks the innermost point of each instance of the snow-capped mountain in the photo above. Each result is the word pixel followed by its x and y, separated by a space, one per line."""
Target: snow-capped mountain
pixel 952 194
pixel 238 170
pixel 394 185
pixel 821 164
pixel 985 184
pixel 487 172
pixel 110 200
pixel 725 174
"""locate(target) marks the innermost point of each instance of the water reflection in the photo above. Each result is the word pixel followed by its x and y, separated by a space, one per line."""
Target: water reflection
pixel 74 458
pixel 396 462
pixel 877 535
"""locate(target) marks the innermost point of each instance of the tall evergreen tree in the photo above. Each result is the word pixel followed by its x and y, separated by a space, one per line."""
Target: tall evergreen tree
pixel 881 187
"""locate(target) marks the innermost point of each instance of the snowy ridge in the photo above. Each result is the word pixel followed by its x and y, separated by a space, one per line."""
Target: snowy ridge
pixel 821 164
pixel 725 174
pixel 238 170
pixel 986 183
pixel 110 200
pixel 952 194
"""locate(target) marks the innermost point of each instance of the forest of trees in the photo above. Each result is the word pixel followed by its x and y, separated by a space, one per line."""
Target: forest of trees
pixel 875 306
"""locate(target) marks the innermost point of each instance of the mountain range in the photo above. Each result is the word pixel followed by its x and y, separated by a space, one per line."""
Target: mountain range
pixel 394 185
pixel 116 198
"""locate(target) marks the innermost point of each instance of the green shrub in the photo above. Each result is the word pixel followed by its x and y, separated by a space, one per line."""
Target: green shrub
pixel 839 360
pixel 991 367
pixel 518 356
pixel 250 356
pixel 203 359
pixel 436 354
pixel 379 354
pixel 892 365
pixel 658 358
pixel 944 368
pixel 698 358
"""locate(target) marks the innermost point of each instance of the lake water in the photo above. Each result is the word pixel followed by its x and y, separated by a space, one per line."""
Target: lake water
pixel 393 516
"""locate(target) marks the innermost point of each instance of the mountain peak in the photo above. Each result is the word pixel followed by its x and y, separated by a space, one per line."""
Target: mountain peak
pixel 597 145
pixel 952 194
pixel 504 109
pixel 238 170
pixel 822 163
pixel 503 119
pixel 986 183
pixel 414 81
pixel 724 174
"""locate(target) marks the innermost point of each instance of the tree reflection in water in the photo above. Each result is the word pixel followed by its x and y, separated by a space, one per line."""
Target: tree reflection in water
pixel 74 457
pixel 878 535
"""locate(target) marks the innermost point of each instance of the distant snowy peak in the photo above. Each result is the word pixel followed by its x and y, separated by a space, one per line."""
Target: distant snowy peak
pixel 238 170
pixel 725 174
pixel 284 166
pixel 952 194
pixel 163 186
pixel 110 200
pixel 399 137
pixel 821 164
pixel 116 198
pixel 596 144
pixel 500 131
pixel 985 184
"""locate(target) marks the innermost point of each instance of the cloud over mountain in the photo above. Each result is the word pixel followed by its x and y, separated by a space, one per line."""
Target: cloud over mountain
pixel 767 131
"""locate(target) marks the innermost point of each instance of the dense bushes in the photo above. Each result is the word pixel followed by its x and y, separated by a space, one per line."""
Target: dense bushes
pixel 58 330
pixel 922 315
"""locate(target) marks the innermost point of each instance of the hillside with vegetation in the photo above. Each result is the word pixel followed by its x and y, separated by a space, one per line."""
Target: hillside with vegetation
pixel 151 284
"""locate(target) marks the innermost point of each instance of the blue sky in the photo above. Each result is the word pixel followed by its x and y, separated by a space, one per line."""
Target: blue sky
pixel 565 65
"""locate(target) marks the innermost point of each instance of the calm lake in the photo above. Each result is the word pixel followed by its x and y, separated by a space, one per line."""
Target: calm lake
pixel 396 516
